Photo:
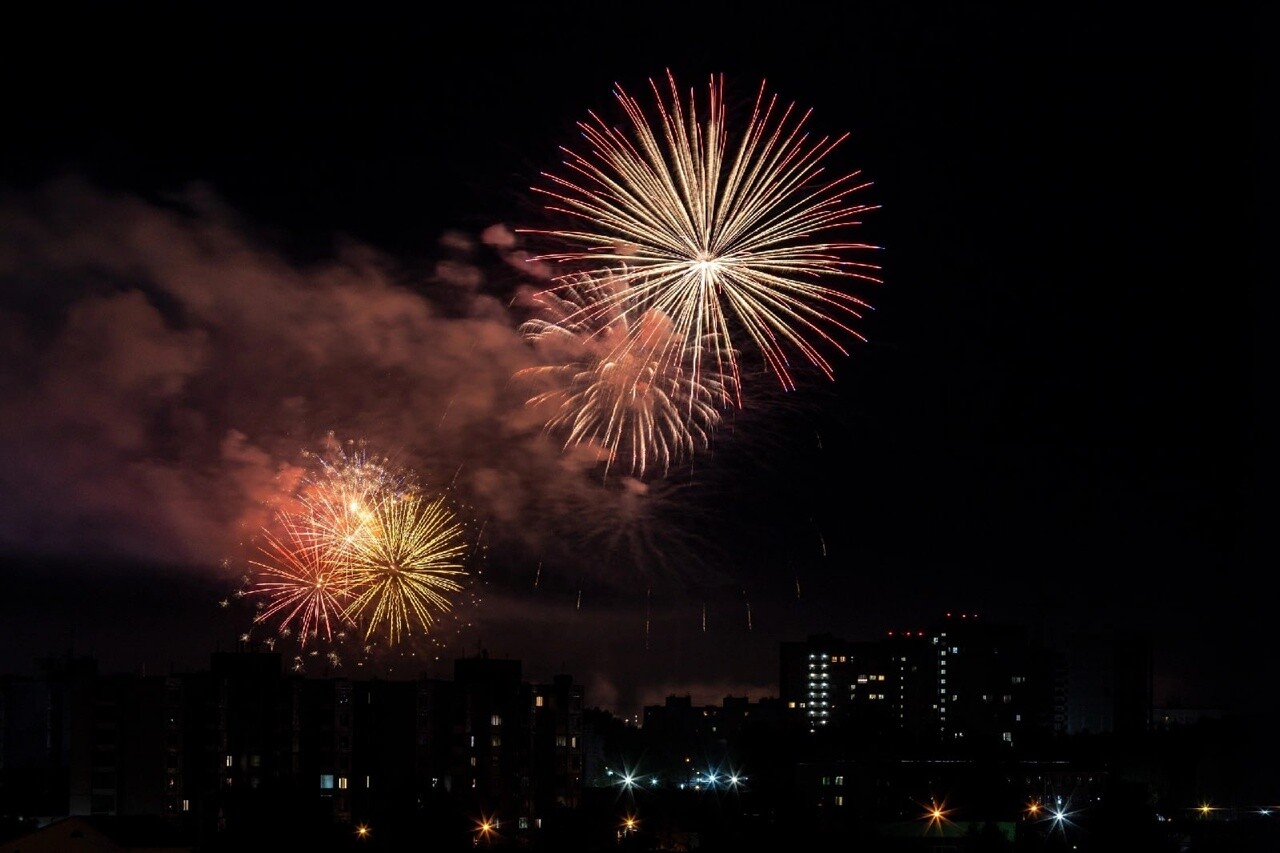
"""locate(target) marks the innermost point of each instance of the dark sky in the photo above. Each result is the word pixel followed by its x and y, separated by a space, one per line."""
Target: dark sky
pixel 223 237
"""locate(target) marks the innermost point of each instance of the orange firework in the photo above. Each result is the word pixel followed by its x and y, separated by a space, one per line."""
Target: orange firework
pixel 614 380
pixel 305 587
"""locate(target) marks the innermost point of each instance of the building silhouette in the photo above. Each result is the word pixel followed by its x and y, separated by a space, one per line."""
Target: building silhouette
pixel 974 719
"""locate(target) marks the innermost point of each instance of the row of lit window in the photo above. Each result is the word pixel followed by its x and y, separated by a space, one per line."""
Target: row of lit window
pixel 328 782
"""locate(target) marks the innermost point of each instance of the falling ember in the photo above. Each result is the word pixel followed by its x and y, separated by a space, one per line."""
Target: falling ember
pixel 537 577
pixel 648 597
pixel 579 606
pixel 822 542
pixel 704 617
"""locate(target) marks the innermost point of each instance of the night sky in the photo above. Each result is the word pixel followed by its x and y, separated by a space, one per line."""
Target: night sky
pixel 222 239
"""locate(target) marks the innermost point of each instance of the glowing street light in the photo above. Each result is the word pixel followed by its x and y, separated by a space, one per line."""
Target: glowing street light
pixel 486 829
pixel 935 815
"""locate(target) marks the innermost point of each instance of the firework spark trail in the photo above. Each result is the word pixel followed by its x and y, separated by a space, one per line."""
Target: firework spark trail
pixel 713 239
pixel 614 379
pixel 404 563
pixel 822 540
pixel 301 584
pixel 648 612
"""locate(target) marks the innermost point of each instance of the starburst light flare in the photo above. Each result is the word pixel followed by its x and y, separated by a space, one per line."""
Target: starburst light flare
pixel 722 240
pixel 614 380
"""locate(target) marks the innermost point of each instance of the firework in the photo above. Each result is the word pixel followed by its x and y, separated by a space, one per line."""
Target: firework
pixel 402 565
pixel 303 586
pixel 723 242
pixel 362 548
pixel 613 381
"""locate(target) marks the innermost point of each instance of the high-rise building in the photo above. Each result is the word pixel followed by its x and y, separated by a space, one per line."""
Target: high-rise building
pixel 960 681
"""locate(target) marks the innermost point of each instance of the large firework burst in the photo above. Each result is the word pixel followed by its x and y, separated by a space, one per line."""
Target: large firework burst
pixel 614 379
pixel 722 241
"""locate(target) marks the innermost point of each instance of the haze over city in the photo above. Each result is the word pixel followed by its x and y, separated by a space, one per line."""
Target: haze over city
pixel 228 244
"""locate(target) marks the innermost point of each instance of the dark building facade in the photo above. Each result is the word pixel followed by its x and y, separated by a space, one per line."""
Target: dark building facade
pixel 247 751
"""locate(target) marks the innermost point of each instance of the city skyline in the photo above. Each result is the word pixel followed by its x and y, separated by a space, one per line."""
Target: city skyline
pixel 219 248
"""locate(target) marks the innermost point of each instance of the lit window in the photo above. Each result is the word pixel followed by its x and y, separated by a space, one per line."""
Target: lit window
pixel 342 783
pixel 496 740
pixel 839 780
pixel 473 761
pixel 537 702
pixel 186 805
pixel 495 720
pixel 326 781
pixel 839 799
pixel 228 761
pixel 368 781
pixel 573 742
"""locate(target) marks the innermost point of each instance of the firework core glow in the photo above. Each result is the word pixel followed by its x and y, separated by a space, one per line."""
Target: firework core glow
pixel 720 241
